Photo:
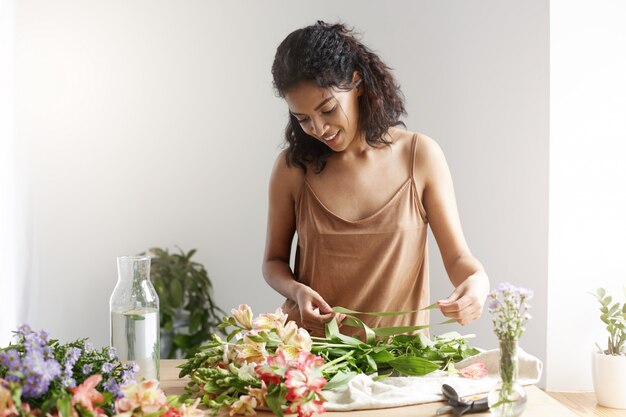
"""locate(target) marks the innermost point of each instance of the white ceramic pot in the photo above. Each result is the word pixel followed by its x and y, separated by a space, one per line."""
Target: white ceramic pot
pixel 609 379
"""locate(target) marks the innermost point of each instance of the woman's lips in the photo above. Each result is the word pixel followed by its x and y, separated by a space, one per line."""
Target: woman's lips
pixel 332 139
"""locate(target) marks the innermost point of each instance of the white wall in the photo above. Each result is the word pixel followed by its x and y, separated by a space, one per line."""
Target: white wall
pixel 154 123
pixel 587 180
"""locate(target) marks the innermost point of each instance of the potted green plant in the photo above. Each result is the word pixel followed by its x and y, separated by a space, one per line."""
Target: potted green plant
pixel 188 311
pixel 609 365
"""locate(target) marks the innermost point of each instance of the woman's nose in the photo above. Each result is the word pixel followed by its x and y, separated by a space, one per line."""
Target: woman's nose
pixel 319 126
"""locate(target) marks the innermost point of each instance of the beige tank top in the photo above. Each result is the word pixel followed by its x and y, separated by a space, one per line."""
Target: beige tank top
pixel 378 263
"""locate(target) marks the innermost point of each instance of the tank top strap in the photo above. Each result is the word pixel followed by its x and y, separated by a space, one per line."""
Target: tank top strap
pixel 412 166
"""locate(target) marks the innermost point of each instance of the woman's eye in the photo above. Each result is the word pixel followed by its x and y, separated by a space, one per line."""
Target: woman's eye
pixel 330 110
pixel 306 119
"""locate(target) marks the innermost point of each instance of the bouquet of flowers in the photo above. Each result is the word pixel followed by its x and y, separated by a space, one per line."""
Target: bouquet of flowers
pixel 509 307
pixel 269 362
pixel 41 377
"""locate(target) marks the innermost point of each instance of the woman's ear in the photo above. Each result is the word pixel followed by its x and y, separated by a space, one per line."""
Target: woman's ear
pixel 357 82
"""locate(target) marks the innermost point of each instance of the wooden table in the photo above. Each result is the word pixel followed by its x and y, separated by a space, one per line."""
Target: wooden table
pixel 540 404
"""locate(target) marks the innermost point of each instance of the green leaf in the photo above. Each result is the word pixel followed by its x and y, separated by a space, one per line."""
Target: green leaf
pixel 414 366
pixel 390 331
pixel 273 400
pixel 601 292
pixel 195 322
pixel 382 356
pixel 340 379
pixel 344 310
pixel 176 293
pixel 371 363
pixel 63 405
pixel 370 336
pixel 332 332
pixel 181 340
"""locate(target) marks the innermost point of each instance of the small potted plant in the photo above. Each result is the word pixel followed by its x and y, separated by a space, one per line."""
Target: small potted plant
pixel 609 365
pixel 189 313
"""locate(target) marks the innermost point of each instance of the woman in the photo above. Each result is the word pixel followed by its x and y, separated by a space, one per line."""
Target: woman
pixel 359 192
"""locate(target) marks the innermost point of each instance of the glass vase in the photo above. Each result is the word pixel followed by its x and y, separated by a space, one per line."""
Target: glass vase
pixel 507 398
pixel 134 307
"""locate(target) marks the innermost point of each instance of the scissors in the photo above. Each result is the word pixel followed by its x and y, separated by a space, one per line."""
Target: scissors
pixel 459 406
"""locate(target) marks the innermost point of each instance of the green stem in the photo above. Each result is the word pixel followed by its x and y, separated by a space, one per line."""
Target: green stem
pixel 339 359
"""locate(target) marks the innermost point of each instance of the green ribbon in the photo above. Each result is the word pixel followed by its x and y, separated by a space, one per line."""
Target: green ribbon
pixel 371 333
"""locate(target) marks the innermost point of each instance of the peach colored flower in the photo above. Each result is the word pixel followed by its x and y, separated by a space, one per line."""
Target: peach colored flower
pixel 289 351
pixel 192 410
pixel 475 371
pixel 251 351
pixel 302 340
pixel 259 394
pixel 145 396
pixel 243 316
pixel 7 407
pixel 288 332
pixel 270 321
pixel 86 394
pixel 244 405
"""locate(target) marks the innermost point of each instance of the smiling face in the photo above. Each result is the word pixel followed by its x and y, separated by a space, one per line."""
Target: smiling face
pixel 330 115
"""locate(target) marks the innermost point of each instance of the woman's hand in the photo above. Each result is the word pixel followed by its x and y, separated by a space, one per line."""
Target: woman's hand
pixel 314 311
pixel 466 302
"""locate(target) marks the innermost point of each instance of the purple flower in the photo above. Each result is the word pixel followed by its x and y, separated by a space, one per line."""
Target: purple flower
pixel 88 347
pixel 509 310
pixel 87 369
pixel 72 357
pixel 24 329
pixel 493 304
pixel 127 376
pixel 526 293
pixel 112 353
pixel 107 367
pixel 47 351
pixel 68 382
pixel 38 372
pixel 112 386
pixel 505 287
pixel 10 359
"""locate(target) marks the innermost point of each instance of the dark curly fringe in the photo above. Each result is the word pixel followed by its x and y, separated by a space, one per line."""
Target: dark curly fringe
pixel 328 54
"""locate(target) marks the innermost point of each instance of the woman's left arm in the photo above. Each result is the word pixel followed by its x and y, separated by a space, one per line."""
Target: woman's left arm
pixel 466 273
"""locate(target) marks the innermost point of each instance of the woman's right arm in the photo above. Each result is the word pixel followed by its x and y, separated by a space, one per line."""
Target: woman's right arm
pixel 285 185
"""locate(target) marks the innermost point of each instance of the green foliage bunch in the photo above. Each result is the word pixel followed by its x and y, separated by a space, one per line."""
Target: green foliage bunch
pixel 614 316
pixel 188 310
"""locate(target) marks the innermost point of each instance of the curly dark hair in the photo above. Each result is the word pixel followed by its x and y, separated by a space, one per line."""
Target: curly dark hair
pixel 328 54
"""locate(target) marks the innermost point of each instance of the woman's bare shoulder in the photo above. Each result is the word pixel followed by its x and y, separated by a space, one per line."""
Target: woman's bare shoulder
pixel 430 160
pixel 285 177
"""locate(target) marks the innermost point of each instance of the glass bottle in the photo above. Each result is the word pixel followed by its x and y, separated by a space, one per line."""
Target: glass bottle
pixel 134 307
pixel 507 398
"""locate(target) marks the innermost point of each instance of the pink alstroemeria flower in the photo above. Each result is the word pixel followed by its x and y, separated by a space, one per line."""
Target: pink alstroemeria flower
pixel 244 405
pixel 86 394
pixel 243 315
pixel 308 408
pixel 305 377
pixel 273 371
pixel 475 371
